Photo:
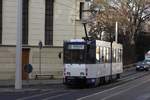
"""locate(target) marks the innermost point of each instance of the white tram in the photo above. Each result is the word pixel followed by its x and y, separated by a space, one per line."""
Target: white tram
pixel 91 62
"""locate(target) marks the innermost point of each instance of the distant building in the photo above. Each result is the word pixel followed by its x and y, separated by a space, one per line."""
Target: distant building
pixel 49 21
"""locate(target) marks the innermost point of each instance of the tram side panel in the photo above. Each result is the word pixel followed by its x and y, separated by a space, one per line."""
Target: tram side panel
pixel 117 68
pixel 102 70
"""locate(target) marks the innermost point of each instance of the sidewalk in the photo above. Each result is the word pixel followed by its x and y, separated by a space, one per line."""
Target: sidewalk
pixel 7 86
pixel 11 83
pixel 31 85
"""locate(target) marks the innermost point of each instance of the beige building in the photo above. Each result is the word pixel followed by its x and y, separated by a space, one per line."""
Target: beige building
pixel 49 21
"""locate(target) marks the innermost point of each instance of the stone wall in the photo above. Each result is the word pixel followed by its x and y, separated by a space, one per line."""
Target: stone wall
pixel 7 62
pixel 50 62
pixel 67 24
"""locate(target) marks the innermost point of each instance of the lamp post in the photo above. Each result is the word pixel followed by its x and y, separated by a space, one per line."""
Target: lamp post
pixel 18 76
pixel 116 36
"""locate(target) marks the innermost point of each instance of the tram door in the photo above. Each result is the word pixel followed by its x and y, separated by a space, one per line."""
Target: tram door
pixel 25 60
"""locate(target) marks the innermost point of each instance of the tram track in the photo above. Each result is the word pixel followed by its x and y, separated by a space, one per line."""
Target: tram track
pixel 128 71
pixel 132 77
pixel 127 78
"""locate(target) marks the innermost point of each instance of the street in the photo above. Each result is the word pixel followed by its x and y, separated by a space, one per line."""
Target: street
pixel 132 86
pixel 74 49
pixel 135 90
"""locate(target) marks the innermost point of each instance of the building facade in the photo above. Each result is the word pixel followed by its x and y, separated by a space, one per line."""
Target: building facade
pixel 49 21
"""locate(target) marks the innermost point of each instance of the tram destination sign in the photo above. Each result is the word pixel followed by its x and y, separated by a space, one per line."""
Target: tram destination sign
pixel 77 47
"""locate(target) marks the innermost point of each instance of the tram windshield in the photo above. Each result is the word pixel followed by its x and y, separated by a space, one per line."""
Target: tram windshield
pixel 78 54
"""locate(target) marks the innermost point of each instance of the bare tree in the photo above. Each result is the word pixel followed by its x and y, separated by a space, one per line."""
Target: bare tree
pixel 130 14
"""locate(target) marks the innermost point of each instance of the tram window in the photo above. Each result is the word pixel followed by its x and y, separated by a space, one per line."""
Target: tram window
pixel 97 55
pixel 121 54
pixel 107 55
pixel 114 55
pixel 118 55
pixel 104 54
pixel 101 55
pixel 74 56
pixel 91 55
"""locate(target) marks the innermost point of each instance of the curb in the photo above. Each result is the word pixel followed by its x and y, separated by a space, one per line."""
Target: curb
pixel 12 90
pixel 30 83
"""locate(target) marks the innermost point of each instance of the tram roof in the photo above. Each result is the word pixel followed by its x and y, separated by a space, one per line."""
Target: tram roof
pixel 107 44
pixel 75 41
pixel 96 42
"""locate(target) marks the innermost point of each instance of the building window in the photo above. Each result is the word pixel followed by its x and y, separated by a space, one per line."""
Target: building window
pixel 25 22
pixel 81 9
pixel 1 2
pixel 49 22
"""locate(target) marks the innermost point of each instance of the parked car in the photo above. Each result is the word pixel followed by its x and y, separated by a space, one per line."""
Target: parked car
pixel 143 65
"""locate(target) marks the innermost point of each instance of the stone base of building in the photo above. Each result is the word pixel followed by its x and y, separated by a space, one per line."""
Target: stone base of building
pixel 46 63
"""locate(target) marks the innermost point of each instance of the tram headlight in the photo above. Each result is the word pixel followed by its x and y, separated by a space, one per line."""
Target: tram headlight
pixel 137 66
pixel 68 73
pixel 82 73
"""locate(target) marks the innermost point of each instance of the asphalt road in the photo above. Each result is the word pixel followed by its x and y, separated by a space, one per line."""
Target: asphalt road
pixel 138 89
pixel 132 86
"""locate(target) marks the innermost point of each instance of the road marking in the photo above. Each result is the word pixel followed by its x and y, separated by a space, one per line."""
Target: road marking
pixel 110 90
pixel 38 95
pixel 56 96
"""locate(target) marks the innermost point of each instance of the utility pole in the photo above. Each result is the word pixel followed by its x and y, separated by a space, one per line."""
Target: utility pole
pixel 18 77
pixel 116 36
